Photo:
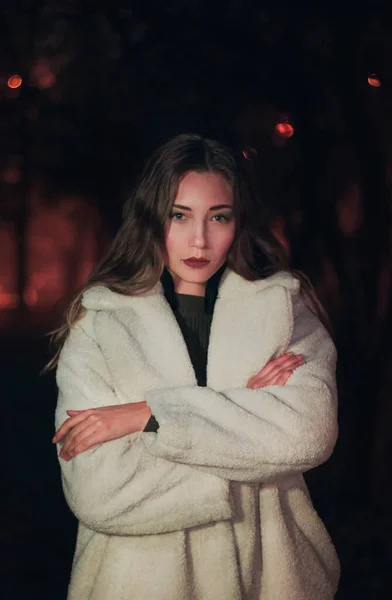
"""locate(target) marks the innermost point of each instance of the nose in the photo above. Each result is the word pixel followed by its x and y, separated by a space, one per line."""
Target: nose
pixel 198 237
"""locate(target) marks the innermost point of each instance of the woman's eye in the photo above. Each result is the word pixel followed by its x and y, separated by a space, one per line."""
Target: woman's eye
pixel 221 218
pixel 177 216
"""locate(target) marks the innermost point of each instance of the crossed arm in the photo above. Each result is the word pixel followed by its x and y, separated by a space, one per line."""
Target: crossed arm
pixel 120 487
pixel 85 429
pixel 241 434
pixel 139 483
pixel 256 435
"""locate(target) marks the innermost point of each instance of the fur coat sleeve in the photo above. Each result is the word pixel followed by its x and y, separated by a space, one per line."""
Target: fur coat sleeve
pixel 256 435
pixel 119 487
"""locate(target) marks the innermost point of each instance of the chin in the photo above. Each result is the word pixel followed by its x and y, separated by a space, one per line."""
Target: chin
pixel 201 276
pixel 194 279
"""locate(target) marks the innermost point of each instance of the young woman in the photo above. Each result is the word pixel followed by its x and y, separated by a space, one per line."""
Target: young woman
pixel 196 385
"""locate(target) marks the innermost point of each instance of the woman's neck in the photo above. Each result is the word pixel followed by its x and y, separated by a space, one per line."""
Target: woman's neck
pixel 189 289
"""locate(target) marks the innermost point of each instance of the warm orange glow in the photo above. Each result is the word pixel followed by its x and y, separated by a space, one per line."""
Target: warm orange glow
pixel 42 75
pixel 374 81
pixel 15 81
pixel 9 297
pixel 8 300
pixel 284 130
pixel 31 297
pixel 46 81
pixel 63 242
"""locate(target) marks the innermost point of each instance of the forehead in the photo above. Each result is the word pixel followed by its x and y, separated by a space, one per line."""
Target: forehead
pixel 204 189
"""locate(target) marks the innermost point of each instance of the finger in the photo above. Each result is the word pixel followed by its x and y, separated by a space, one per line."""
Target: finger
pixel 283 378
pixel 289 365
pixel 95 438
pixel 291 360
pixel 275 362
pixel 76 431
pixel 66 427
pixel 82 435
pixel 85 445
pixel 263 379
pixel 274 365
pixel 68 424
pixel 74 412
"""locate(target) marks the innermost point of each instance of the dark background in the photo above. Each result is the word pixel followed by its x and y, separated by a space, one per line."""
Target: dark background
pixel 87 90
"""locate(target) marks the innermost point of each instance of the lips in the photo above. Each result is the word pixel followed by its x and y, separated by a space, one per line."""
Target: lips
pixel 196 262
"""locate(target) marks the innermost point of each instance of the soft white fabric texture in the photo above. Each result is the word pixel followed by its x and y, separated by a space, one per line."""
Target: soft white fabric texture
pixel 213 506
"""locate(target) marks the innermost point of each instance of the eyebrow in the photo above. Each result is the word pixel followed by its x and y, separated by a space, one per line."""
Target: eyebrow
pixel 217 207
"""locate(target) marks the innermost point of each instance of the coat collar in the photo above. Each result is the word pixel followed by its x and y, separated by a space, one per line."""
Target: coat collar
pixel 228 285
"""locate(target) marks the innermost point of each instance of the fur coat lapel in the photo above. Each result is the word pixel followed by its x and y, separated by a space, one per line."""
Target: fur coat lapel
pixel 252 322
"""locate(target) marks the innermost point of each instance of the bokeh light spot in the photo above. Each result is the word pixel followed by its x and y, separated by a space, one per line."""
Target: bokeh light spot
pixel 250 153
pixel 284 130
pixel 14 82
pixel 374 81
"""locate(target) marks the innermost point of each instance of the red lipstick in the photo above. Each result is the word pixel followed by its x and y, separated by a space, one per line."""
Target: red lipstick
pixel 196 263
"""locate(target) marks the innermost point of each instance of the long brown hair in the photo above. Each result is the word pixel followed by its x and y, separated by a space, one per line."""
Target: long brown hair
pixel 135 260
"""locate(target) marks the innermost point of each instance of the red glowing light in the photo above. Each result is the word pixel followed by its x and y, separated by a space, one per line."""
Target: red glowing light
pixel 374 81
pixel 14 82
pixel 284 130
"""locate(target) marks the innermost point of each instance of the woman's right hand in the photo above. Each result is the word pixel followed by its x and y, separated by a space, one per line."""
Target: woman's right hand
pixel 277 371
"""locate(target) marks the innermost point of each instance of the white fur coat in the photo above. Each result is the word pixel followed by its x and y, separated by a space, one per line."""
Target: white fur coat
pixel 213 506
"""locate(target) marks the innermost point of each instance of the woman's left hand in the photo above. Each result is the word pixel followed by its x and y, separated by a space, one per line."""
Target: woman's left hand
pixel 87 428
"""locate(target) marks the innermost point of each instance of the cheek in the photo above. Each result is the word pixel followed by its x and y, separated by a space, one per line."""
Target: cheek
pixel 224 242
pixel 173 241
pixel 222 245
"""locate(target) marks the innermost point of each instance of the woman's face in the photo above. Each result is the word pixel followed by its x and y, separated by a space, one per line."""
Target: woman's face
pixel 201 226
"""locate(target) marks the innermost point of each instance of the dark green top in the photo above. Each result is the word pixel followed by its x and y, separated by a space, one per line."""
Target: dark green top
pixel 195 325
pixel 194 317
